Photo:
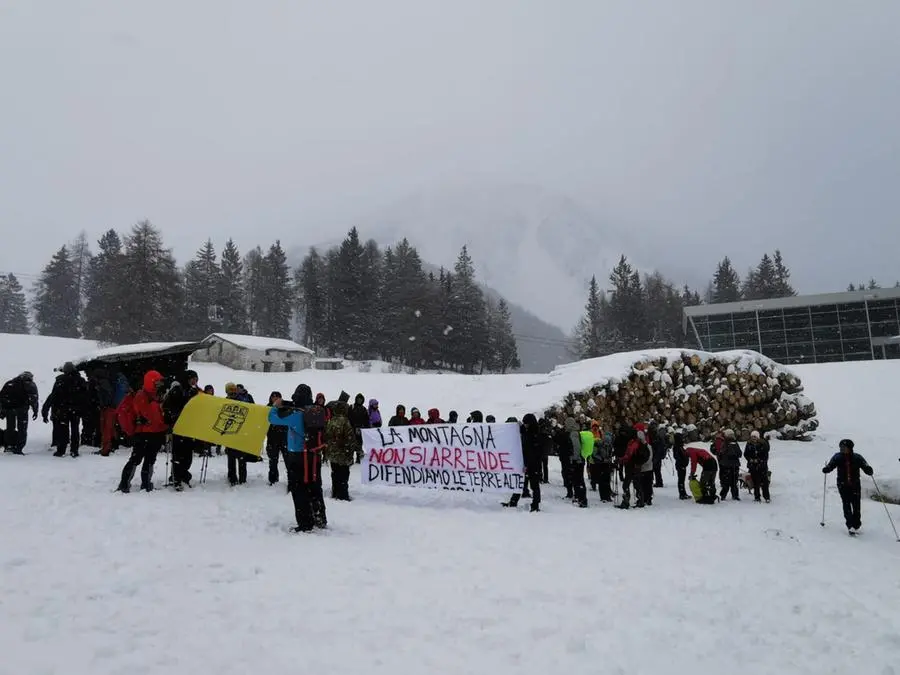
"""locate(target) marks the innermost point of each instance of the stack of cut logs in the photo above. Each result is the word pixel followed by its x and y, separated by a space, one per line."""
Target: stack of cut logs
pixel 699 396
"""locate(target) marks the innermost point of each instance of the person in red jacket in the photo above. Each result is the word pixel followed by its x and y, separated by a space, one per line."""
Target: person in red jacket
pixel 415 417
pixel 150 430
pixel 636 455
pixel 709 465
pixel 434 416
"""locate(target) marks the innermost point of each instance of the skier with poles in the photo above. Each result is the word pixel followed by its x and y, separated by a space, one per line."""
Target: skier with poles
pixel 848 465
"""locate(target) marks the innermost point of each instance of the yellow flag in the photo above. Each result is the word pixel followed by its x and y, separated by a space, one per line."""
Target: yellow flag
pixel 223 421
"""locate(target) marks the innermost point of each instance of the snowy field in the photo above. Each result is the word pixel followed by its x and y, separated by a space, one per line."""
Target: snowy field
pixel 408 582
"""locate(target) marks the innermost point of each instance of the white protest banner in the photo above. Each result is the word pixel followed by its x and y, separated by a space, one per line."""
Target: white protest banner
pixel 467 457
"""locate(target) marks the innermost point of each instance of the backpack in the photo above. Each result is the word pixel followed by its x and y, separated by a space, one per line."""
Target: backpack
pixel 643 454
pixel 697 493
pixel 315 417
pixel 125 414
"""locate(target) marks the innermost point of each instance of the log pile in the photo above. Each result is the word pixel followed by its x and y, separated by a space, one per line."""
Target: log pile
pixel 698 394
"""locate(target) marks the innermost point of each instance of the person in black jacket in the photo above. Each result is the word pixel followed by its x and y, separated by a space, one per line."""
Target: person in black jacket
pixel 276 439
pixel 756 452
pixel 562 443
pixel 69 395
pixel 660 445
pixel 183 390
pixel 16 396
pixel 546 449
pixel 359 415
pixel 848 465
pixel 681 464
pixel 532 451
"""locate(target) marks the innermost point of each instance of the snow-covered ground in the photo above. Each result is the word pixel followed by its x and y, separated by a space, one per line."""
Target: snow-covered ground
pixel 405 581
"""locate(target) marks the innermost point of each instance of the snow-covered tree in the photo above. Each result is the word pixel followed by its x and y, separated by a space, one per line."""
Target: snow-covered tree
pixel 56 302
pixel 13 306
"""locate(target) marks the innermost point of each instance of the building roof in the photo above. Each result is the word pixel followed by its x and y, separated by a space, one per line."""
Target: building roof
pixel 133 352
pixel 792 302
pixel 258 343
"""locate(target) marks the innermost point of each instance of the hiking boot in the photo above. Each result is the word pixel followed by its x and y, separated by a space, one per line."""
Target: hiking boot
pixel 74 453
pixel 622 506
pixel 59 453
pixel 179 487
pixel 299 529
pixel 535 508
pixel 684 496
pixel 147 487
pixel 124 489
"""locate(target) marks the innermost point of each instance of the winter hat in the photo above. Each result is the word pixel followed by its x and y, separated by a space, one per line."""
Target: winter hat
pixel 729 434
pixel 529 420
pixel 302 397
pixel 230 388
pixel 360 399
pixel 642 437
pixel 373 403
pixel 453 417
pixel 754 435
pixel 320 399
pixel 401 410
pixel 191 375
pixel 846 443
pixel 344 397
pixel 68 368
pixel 414 412
pixel 490 419
pixel 512 420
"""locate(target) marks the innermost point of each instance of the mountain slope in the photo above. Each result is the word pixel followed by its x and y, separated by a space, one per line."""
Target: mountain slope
pixel 536 248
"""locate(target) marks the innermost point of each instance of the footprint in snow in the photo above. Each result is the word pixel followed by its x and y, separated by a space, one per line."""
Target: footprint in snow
pixel 779 535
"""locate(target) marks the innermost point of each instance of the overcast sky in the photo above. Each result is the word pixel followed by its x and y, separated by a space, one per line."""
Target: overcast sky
pixel 702 128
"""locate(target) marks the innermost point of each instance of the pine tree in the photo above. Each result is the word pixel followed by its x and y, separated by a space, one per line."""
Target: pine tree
pixel 505 350
pixel 348 296
pixel 782 286
pixel 761 283
pixel 255 291
pixel 80 253
pixel 231 295
pixel 56 303
pixel 373 327
pixel 106 284
pixel 689 298
pixel 202 287
pixel 726 285
pixel 152 303
pixel 310 281
pixel 13 306
pixel 626 309
pixel 589 339
pixel 663 311
pixel 468 315
pixel 404 296
pixel 278 298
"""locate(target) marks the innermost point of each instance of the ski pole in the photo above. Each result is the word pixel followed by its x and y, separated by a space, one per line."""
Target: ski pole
pixel 824 489
pixel 886 510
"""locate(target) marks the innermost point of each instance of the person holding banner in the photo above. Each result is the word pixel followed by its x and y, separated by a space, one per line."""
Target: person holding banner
pixel 532 451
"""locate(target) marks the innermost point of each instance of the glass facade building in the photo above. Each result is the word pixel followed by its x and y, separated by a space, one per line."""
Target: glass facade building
pixel 853 326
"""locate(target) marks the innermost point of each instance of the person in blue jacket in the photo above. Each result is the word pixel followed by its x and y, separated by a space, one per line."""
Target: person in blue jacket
pixel 302 467
pixel 848 465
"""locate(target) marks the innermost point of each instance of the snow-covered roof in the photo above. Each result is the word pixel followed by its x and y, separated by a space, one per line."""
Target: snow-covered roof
pixel 259 343
pixel 124 352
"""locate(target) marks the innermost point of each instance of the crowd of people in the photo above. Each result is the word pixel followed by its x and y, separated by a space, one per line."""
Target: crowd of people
pixel 305 432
